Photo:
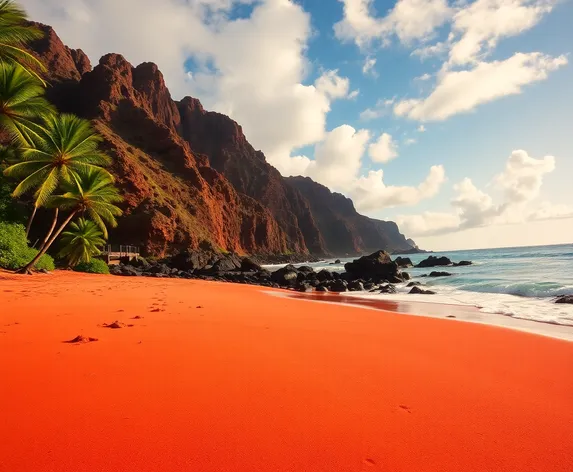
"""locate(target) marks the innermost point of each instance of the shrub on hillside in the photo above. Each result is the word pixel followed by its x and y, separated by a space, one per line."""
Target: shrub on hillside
pixel 94 266
pixel 14 250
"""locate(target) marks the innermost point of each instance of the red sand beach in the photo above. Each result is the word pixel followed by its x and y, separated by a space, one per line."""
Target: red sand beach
pixel 222 377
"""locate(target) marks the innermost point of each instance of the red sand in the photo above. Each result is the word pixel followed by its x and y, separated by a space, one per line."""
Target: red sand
pixel 251 382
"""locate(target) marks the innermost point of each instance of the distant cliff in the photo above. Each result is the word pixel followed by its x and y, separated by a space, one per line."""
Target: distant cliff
pixel 190 178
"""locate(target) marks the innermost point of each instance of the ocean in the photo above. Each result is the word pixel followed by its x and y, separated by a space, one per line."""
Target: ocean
pixel 520 282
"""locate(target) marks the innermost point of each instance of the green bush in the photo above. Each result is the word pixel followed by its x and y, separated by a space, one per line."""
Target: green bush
pixel 14 250
pixel 95 266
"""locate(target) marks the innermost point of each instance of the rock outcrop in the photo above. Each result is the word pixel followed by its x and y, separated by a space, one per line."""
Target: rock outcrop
pixel 190 178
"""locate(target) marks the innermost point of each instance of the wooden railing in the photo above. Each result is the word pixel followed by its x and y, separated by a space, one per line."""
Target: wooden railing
pixel 113 252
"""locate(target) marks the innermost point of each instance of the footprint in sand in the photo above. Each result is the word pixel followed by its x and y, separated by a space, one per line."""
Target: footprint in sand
pixel 406 408
pixel 81 340
pixel 450 316
pixel 156 310
pixel 137 317
pixel 116 325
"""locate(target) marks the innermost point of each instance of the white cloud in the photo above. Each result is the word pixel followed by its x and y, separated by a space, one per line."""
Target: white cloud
pixel 337 159
pixel 371 193
pixel 368 67
pixel 382 107
pixel 384 149
pixel 409 20
pixel 352 95
pixel 421 129
pixel 521 183
pixel 462 91
pixel 478 27
pixel 266 89
pixel 338 164
pixel 424 77
pixel 426 52
pixel 410 141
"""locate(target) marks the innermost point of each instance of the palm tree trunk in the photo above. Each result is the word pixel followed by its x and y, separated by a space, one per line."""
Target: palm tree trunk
pixel 52 228
pixel 28 268
pixel 30 220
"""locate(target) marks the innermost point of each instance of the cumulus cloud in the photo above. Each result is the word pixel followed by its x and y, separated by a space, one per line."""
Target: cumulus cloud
pixel 462 91
pixel 408 20
pixel 520 183
pixel 253 68
pixel 478 26
pixel 384 149
pixel 371 192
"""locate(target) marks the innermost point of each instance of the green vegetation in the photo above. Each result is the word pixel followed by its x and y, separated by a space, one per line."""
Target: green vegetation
pixel 94 266
pixel 54 156
pixel 14 35
pixel 14 250
pixel 81 242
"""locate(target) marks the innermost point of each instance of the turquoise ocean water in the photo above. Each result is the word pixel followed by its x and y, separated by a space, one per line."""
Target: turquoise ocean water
pixel 520 282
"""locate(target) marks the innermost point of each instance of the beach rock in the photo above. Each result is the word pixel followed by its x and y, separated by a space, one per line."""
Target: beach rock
pixel 304 287
pixel 406 276
pixel 434 261
pixel 439 274
pixel 413 284
pixel 387 288
pixel 321 288
pixel 403 262
pixel 324 275
pixel 377 265
pixel 338 286
pixel 248 265
pixel 463 263
pixel 305 269
pixel 418 290
pixel 355 286
pixel 284 276
pixel 565 299
pixel 337 261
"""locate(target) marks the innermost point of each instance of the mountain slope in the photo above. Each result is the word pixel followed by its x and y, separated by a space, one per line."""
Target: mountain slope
pixel 190 178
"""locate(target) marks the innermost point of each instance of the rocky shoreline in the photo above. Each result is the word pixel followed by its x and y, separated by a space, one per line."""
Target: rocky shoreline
pixel 376 272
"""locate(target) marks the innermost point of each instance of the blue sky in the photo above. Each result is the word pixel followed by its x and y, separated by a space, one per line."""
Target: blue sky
pixel 493 165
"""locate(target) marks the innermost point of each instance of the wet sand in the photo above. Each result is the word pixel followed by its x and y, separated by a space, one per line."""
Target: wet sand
pixel 222 377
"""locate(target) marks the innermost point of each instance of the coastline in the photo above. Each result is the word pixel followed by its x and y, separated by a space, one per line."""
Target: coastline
pixel 406 305
pixel 218 376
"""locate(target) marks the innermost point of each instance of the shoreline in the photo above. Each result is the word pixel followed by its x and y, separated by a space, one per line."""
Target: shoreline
pixel 436 310
pixel 216 376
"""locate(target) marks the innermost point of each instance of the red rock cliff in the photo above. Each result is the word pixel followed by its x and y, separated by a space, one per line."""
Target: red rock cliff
pixel 190 176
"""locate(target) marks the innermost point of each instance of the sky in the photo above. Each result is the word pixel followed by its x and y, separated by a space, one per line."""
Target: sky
pixel 452 118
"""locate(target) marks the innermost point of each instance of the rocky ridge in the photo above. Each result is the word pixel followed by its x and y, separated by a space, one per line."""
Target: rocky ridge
pixel 190 178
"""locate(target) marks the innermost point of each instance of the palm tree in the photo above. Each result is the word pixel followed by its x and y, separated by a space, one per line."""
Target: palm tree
pixel 61 147
pixel 90 193
pixel 22 101
pixel 81 241
pixel 14 35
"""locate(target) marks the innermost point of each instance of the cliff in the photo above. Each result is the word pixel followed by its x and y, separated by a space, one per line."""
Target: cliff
pixel 189 177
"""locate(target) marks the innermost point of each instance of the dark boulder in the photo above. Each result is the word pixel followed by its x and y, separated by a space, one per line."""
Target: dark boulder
pixel 463 263
pixel 356 286
pixel 159 268
pixel 403 262
pixel 439 274
pixel 306 269
pixel 406 276
pixel 378 265
pixel 418 290
pixel 434 261
pixel 565 299
pixel 249 265
pixel 337 261
pixel 324 275
pixel 305 287
pixel 321 288
pixel 414 284
pixel 284 276
pixel 191 260
pixel 338 286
